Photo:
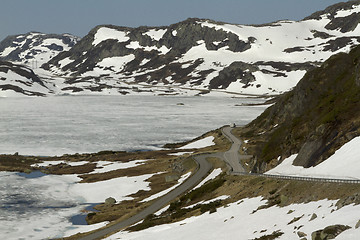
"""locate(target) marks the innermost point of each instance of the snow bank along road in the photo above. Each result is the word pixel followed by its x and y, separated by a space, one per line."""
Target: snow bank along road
pixel 232 158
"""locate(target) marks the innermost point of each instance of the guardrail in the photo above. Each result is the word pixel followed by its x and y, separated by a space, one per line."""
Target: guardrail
pixel 297 178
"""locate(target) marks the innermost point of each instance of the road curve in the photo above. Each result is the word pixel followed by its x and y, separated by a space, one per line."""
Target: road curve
pixel 231 157
pixel 203 168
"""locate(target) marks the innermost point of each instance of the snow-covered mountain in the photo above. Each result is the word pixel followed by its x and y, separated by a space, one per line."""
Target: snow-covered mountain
pixel 207 55
pixel 35 49
pixel 18 80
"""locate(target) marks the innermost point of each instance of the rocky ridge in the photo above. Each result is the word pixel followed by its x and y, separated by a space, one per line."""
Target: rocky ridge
pixel 190 57
pixel 207 55
pixel 34 49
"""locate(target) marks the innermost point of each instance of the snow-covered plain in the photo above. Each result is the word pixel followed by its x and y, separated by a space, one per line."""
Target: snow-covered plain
pixel 343 164
pixel 239 221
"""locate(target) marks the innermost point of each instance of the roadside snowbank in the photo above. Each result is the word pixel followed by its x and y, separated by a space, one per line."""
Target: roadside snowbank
pixel 343 164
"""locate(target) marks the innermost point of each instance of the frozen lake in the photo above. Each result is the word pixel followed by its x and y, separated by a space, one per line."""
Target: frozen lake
pixel 43 207
pixel 78 124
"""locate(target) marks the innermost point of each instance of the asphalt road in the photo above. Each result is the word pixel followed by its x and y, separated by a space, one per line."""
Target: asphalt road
pixel 203 169
pixel 231 157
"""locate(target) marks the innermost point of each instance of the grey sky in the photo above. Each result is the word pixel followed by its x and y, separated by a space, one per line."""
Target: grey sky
pixel 78 17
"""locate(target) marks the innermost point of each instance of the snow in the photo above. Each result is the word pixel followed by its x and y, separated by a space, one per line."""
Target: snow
pixel 180 153
pixel 53 199
pixel 136 45
pixel 162 193
pixel 345 13
pixel 7 51
pixel 202 143
pixel 48 163
pixel 12 78
pixel 116 63
pixel 239 221
pixel 223 197
pixel 65 62
pixel 84 228
pixel 343 164
pixel 106 166
pixel 117 188
pixel 216 172
pixel 105 33
pixel 156 34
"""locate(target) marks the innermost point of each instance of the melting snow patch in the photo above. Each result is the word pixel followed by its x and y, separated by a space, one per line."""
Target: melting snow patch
pixel 202 143
pixel 212 175
pixel 106 166
pixel 179 153
pixel 105 33
pixel 156 34
pixel 162 193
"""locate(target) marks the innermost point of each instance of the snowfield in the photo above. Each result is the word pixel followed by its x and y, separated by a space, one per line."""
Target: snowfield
pixel 240 220
pixel 105 33
pixel 202 143
pixel 344 164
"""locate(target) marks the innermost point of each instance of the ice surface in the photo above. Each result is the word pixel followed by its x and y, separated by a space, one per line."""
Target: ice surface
pixel 84 124
pixel 42 207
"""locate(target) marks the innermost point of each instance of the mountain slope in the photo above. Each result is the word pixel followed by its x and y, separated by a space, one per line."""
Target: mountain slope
pixel 18 80
pixel 34 49
pixel 314 120
pixel 203 54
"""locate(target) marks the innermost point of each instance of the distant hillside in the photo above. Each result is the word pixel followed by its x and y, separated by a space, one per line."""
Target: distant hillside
pixel 207 55
pixel 34 49
pixel 315 119
pixel 18 80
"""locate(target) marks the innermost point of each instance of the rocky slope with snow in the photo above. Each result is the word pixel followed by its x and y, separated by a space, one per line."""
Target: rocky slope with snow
pixel 18 80
pixel 34 49
pixel 314 120
pixel 207 55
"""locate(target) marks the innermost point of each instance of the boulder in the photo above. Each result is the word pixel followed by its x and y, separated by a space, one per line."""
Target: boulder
pixel 329 232
pixel 110 201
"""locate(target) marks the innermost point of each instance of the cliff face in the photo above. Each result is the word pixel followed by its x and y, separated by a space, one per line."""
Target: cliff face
pixel 314 119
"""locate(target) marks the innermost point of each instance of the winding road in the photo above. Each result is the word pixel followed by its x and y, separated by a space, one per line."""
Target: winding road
pixel 233 161
pixel 231 157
